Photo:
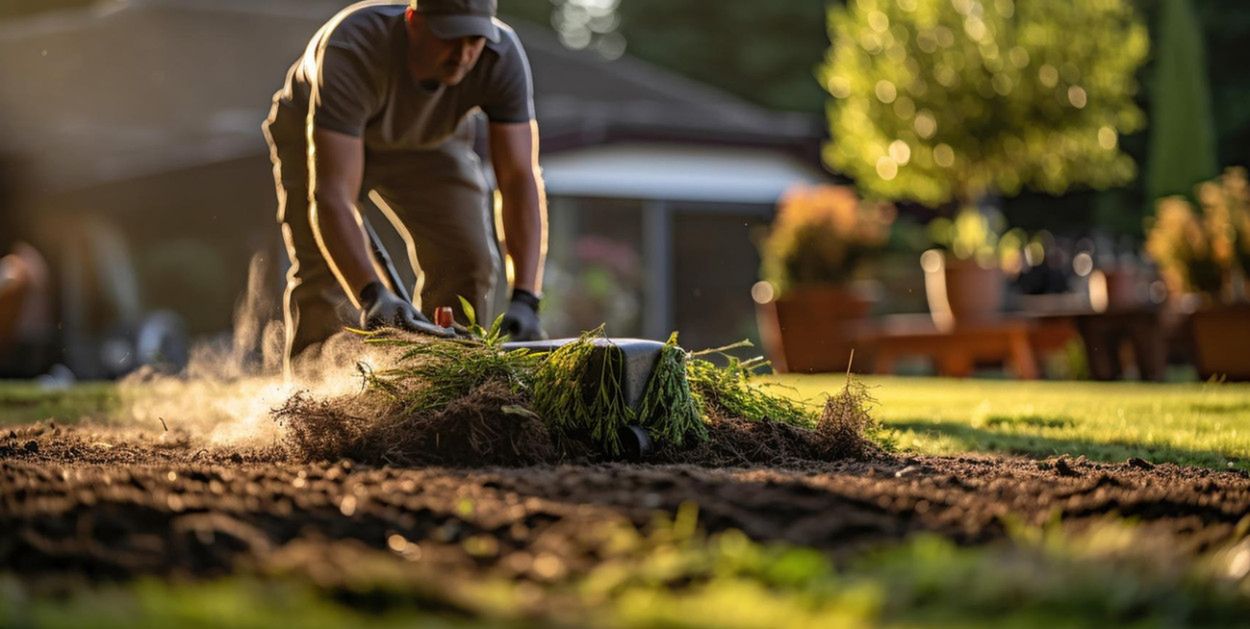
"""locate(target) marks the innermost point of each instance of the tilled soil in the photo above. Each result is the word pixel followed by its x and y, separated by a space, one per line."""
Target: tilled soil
pixel 111 504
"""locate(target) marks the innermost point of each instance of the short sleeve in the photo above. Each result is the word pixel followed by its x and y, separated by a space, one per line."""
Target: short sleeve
pixel 345 92
pixel 510 89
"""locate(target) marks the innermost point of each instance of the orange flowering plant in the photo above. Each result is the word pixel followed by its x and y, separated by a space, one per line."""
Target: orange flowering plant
pixel 1202 250
pixel 821 234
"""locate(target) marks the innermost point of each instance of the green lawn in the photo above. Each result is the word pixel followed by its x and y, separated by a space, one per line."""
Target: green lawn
pixel 1193 424
pixel 26 402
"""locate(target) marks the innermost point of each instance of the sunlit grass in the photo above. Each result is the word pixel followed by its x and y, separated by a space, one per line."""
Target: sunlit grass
pixel 1190 424
pixel 1193 424
pixel 676 576
pixel 23 402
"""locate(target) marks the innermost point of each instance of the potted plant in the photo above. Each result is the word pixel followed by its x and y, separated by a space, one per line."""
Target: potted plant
pixel 964 280
pixel 949 103
pixel 808 309
pixel 1203 254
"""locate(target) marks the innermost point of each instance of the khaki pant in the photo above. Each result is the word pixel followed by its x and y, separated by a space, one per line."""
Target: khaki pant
pixel 436 199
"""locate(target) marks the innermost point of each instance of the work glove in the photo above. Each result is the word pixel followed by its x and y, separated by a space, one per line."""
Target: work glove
pixel 381 308
pixel 520 322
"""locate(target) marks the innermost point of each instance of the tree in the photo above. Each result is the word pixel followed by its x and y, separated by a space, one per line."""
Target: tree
pixel 951 100
pixel 765 52
pixel 1182 132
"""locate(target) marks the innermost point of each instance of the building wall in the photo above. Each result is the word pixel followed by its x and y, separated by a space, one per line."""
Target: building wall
pixel 715 263
pixel 711 265
pixel 189 234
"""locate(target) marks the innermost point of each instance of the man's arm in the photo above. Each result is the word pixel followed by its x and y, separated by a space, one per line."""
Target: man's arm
pixel 339 165
pixel 514 156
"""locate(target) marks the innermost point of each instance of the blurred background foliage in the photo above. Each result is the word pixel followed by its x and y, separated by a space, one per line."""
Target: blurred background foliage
pixel 821 235
pixel 1182 130
pixel 948 101
pixel 768 53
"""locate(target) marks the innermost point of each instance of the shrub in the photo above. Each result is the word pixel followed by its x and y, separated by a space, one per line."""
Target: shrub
pixel 978 235
pixel 1201 250
pixel 820 236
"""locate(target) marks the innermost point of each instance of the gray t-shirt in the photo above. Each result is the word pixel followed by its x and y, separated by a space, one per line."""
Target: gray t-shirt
pixel 355 73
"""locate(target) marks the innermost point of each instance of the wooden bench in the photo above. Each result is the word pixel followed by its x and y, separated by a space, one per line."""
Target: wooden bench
pixel 957 351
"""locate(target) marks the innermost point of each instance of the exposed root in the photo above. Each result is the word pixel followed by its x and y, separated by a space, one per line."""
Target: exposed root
pixel 486 427
pixel 489 427
pixel 736 442
pixel 324 429
pixel 845 424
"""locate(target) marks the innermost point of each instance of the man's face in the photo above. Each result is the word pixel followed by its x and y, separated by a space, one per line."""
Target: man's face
pixel 444 60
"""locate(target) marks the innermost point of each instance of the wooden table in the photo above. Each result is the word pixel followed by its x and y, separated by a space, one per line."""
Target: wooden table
pixel 954 352
pixel 1106 334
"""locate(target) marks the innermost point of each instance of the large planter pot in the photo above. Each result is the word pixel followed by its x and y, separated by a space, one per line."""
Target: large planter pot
pixel 1221 338
pixel 1124 287
pixel 814 329
pixel 962 292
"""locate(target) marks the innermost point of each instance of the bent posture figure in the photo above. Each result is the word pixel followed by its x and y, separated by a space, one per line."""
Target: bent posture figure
pixel 382 102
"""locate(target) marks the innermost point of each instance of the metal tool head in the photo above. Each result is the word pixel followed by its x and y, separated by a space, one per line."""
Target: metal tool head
pixel 638 357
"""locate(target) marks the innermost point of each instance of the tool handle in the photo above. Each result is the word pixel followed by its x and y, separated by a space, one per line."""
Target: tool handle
pixel 384 260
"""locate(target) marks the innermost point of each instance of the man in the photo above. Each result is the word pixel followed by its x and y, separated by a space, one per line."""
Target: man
pixel 382 102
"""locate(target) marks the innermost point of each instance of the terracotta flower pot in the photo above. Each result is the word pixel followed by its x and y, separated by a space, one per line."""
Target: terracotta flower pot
pixel 1221 338
pixel 962 292
pixel 1123 287
pixel 813 329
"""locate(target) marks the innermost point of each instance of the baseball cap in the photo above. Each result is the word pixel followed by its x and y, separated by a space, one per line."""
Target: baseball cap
pixel 450 19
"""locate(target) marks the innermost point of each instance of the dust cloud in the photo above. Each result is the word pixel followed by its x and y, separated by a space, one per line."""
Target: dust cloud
pixel 226 394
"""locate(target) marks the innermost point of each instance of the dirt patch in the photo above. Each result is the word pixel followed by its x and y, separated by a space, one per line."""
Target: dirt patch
pixel 104 504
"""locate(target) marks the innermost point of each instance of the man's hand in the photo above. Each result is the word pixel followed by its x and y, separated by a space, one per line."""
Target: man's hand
pixel 380 308
pixel 520 322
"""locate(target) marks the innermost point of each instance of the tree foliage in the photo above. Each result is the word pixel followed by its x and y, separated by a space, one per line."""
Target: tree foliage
pixel 1182 132
pixel 765 52
pixel 948 100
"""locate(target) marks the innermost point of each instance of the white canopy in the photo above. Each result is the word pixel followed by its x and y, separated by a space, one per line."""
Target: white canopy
pixel 676 172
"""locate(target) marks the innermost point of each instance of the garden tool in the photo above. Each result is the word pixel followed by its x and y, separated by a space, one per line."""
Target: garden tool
pixel 383 259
